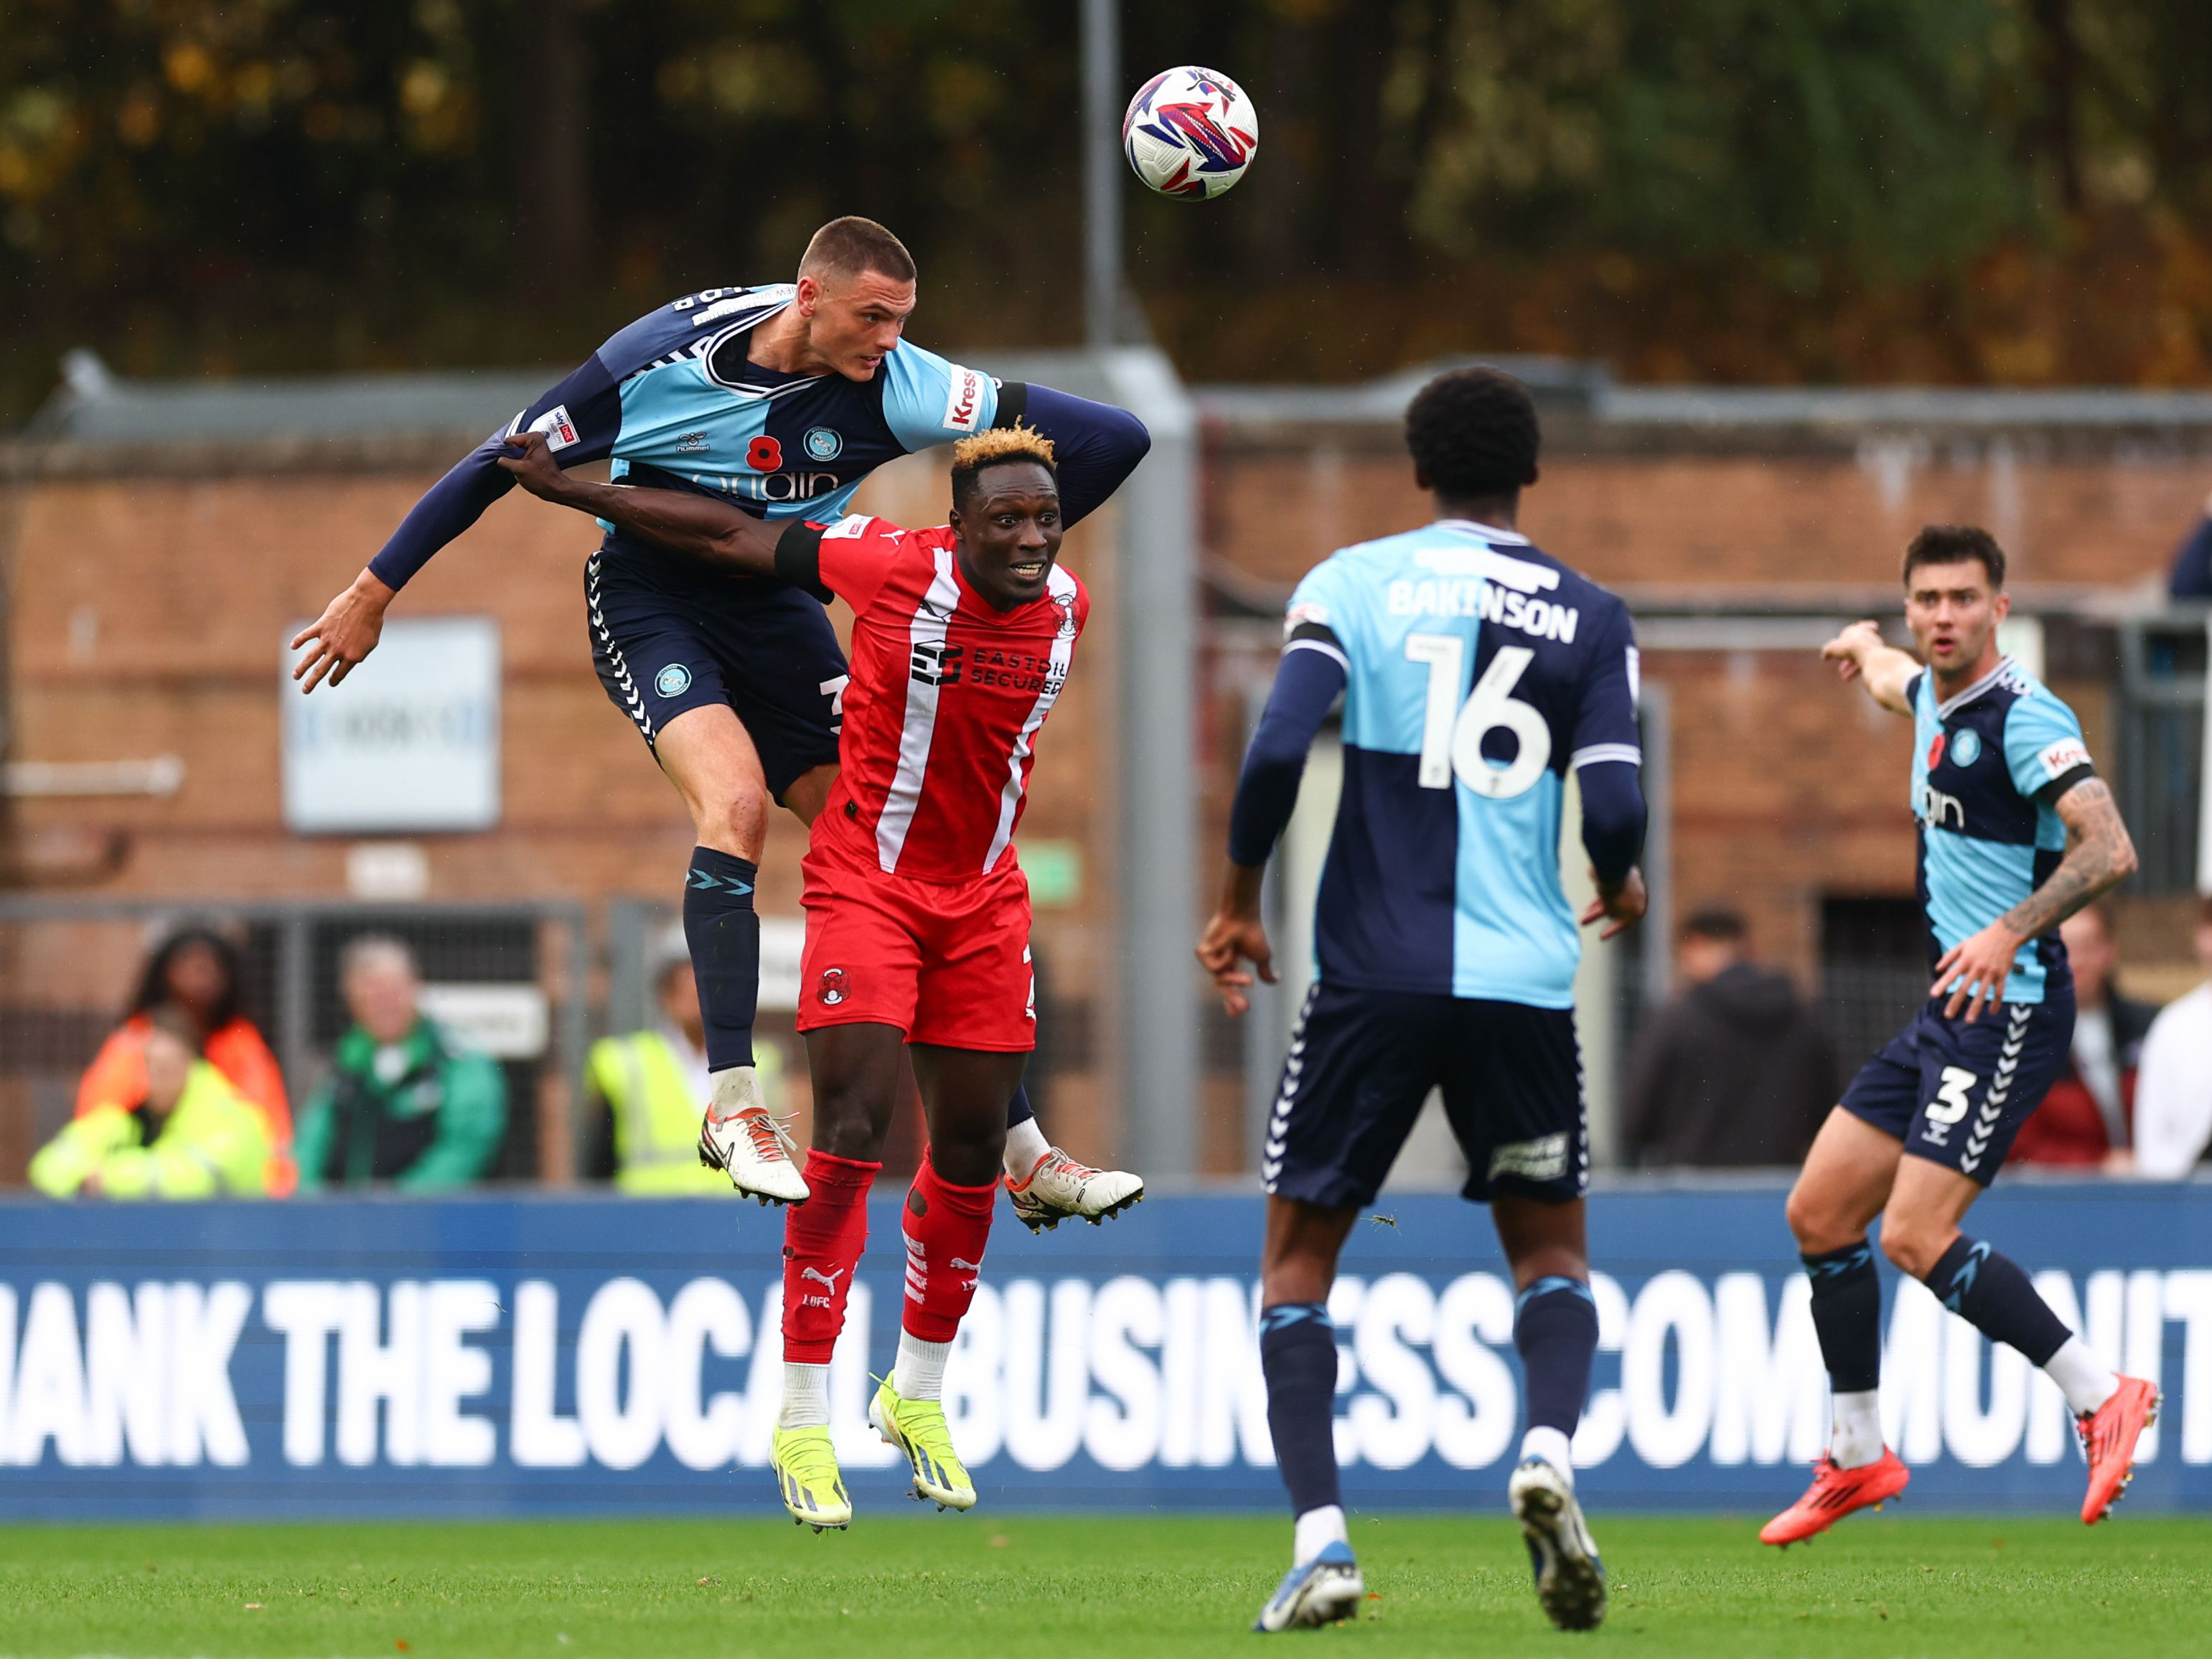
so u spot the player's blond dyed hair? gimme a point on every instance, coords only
(1003, 443)
(1000, 443)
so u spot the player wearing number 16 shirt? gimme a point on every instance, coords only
(1477, 673)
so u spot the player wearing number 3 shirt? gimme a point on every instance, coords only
(918, 914)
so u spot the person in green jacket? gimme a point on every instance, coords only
(192, 1135)
(407, 1102)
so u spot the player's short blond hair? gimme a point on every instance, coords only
(1003, 443)
(999, 443)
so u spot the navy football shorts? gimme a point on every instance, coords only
(667, 637)
(1362, 1064)
(1956, 1094)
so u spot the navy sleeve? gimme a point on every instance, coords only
(1613, 817)
(1096, 446)
(1306, 685)
(2192, 563)
(581, 417)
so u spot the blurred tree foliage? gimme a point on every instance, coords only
(2013, 190)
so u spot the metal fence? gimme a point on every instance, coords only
(511, 975)
(2162, 739)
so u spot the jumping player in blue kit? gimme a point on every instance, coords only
(780, 399)
(2016, 833)
(1477, 673)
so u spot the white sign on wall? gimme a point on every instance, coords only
(411, 741)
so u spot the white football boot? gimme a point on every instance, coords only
(755, 1150)
(1322, 1592)
(1058, 1188)
(1570, 1576)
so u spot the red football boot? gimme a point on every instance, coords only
(2108, 1436)
(1836, 1492)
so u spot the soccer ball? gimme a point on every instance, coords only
(1190, 132)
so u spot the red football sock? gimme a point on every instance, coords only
(947, 1227)
(823, 1240)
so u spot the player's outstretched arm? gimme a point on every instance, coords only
(695, 525)
(585, 409)
(2100, 855)
(1306, 684)
(1886, 673)
(1096, 446)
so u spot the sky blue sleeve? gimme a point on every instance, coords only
(928, 401)
(1325, 598)
(2044, 747)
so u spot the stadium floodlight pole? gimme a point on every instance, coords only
(1102, 174)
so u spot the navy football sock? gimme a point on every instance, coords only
(1555, 1328)
(1847, 1315)
(723, 931)
(1297, 1355)
(1990, 1293)
(1018, 1109)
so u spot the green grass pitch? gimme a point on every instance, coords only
(983, 1584)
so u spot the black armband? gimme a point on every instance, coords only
(798, 558)
(2052, 791)
(1013, 403)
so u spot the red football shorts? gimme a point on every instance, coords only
(947, 964)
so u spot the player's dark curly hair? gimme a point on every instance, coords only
(1953, 543)
(1474, 432)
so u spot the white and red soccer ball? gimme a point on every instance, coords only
(1190, 132)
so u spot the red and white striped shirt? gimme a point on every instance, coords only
(946, 697)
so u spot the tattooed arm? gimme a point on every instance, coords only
(2100, 855)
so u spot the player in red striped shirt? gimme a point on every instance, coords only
(918, 914)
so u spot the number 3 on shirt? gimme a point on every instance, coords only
(1451, 738)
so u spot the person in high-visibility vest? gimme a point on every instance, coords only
(647, 1090)
(189, 1133)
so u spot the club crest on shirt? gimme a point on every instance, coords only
(1064, 604)
(835, 987)
(823, 443)
(1965, 747)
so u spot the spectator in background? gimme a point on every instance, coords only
(195, 970)
(2174, 1087)
(1735, 1071)
(646, 1092)
(2083, 1120)
(408, 1102)
(183, 1131)
(2192, 560)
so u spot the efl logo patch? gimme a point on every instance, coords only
(560, 431)
(2063, 756)
(1544, 1158)
(1302, 613)
(856, 525)
(963, 400)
